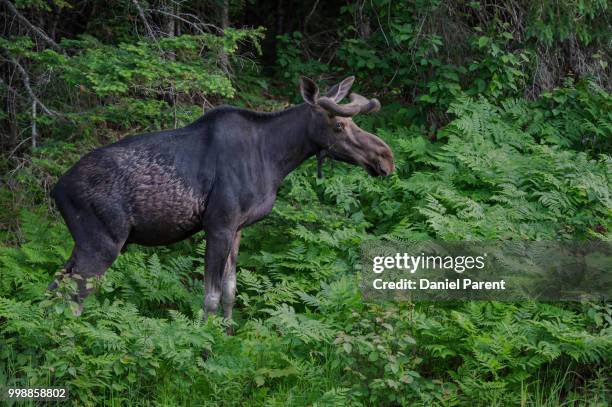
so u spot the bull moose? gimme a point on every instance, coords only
(218, 174)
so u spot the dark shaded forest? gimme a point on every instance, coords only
(499, 114)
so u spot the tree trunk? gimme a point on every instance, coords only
(224, 24)
(170, 19)
(280, 17)
(34, 131)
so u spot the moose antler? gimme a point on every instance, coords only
(358, 104)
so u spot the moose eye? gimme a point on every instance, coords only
(338, 127)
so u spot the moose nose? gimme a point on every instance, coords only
(385, 167)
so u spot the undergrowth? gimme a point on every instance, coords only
(305, 336)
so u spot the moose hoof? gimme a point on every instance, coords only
(78, 310)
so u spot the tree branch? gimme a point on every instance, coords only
(31, 26)
(142, 16)
(196, 25)
(309, 16)
(25, 78)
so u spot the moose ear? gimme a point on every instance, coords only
(340, 90)
(309, 90)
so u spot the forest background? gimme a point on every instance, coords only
(500, 117)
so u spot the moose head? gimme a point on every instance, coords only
(335, 132)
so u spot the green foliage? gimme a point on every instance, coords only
(133, 84)
(141, 68)
(576, 116)
(552, 21)
(290, 61)
(429, 52)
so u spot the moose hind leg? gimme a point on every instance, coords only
(66, 270)
(92, 260)
(218, 247)
(229, 283)
(95, 247)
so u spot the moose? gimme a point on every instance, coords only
(219, 174)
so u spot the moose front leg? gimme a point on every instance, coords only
(218, 246)
(229, 282)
